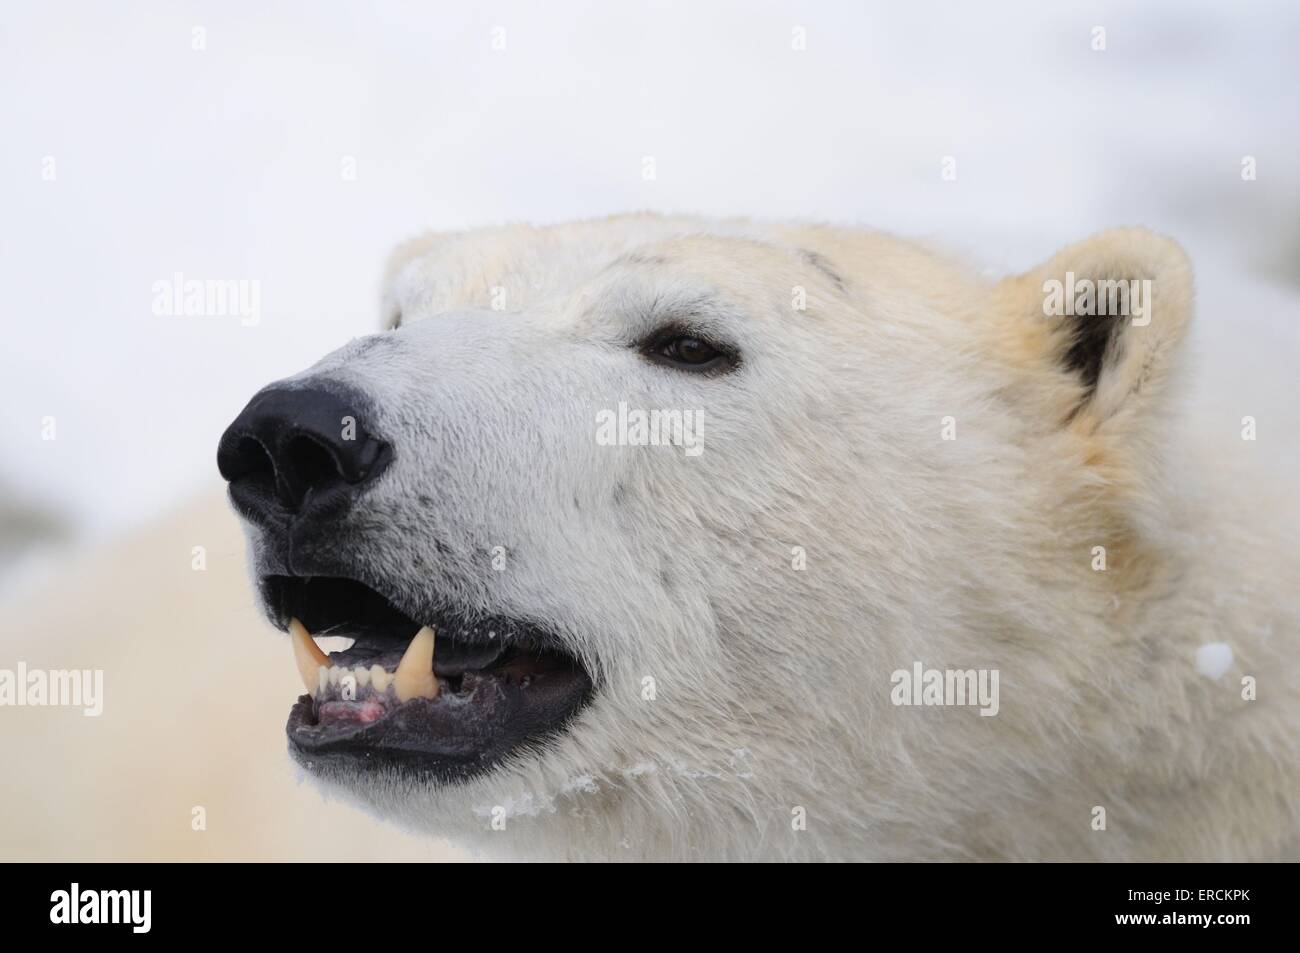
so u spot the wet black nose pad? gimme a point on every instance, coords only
(289, 447)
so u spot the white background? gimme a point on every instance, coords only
(224, 163)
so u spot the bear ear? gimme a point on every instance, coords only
(1103, 318)
(399, 258)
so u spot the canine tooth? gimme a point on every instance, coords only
(306, 654)
(380, 678)
(414, 677)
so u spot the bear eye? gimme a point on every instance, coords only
(689, 352)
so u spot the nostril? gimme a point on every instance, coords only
(246, 459)
(306, 464)
(248, 466)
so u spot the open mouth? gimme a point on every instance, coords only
(448, 696)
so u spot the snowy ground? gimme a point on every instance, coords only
(225, 162)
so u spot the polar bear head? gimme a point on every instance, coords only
(679, 501)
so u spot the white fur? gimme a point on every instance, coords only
(772, 683)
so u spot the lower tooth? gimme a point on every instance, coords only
(379, 677)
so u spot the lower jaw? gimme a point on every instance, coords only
(374, 750)
(444, 739)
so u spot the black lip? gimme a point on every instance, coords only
(444, 739)
(334, 602)
(509, 685)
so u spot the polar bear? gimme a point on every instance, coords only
(908, 481)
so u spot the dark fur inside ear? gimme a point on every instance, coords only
(1106, 316)
(1095, 340)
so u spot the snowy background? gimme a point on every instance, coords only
(226, 162)
(211, 139)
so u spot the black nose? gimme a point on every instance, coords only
(294, 449)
